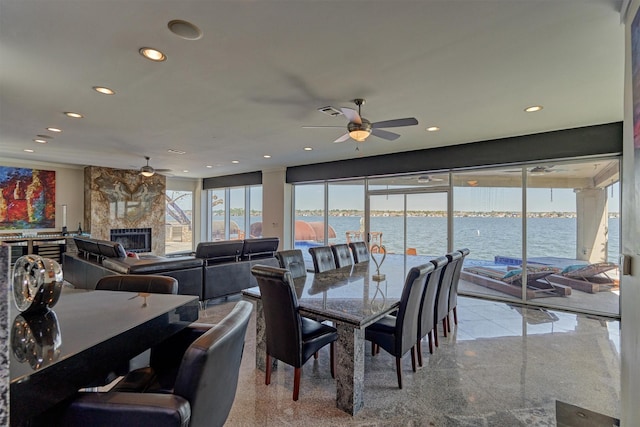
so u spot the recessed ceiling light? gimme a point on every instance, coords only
(44, 136)
(433, 129)
(171, 150)
(41, 141)
(209, 166)
(184, 29)
(104, 90)
(235, 161)
(73, 115)
(28, 150)
(185, 170)
(266, 156)
(308, 148)
(54, 130)
(152, 54)
(533, 108)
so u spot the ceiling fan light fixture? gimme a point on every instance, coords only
(147, 171)
(359, 135)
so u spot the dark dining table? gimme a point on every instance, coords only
(352, 298)
(81, 339)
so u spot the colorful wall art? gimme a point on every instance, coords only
(27, 198)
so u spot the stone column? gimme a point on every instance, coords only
(5, 258)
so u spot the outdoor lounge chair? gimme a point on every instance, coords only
(589, 278)
(510, 282)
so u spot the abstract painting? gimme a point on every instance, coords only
(27, 198)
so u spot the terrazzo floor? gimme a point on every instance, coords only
(503, 365)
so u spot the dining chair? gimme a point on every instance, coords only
(292, 260)
(453, 292)
(323, 259)
(397, 333)
(201, 393)
(153, 284)
(342, 255)
(291, 338)
(442, 296)
(426, 322)
(360, 252)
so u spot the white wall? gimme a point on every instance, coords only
(276, 207)
(69, 191)
(630, 284)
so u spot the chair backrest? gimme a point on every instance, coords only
(208, 374)
(409, 309)
(263, 247)
(281, 317)
(442, 298)
(322, 257)
(453, 292)
(428, 306)
(342, 255)
(150, 283)
(292, 260)
(360, 252)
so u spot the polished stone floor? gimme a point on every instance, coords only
(502, 366)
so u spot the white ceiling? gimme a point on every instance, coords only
(264, 67)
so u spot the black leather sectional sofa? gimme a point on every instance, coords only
(217, 269)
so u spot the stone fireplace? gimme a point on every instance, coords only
(118, 199)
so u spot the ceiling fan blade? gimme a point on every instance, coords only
(321, 127)
(385, 134)
(343, 138)
(352, 115)
(409, 121)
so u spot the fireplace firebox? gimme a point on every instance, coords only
(136, 240)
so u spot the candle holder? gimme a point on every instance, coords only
(378, 249)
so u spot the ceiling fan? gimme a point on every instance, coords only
(360, 128)
(148, 170)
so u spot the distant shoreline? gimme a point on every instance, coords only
(442, 214)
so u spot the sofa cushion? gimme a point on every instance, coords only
(150, 265)
(219, 251)
(264, 247)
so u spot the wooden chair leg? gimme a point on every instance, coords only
(448, 323)
(435, 334)
(315, 355)
(267, 375)
(332, 359)
(296, 383)
(399, 371)
(419, 347)
(413, 358)
(455, 315)
(373, 348)
(430, 335)
(444, 326)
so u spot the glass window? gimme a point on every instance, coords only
(346, 211)
(255, 220)
(179, 221)
(218, 214)
(309, 213)
(234, 211)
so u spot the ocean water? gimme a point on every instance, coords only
(486, 237)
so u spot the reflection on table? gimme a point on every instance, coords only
(85, 336)
(352, 300)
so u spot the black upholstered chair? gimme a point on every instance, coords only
(292, 260)
(397, 334)
(152, 284)
(442, 297)
(323, 259)
(453, 292)
(201, 394)
(360, 252)
(428, 305)
(342, 255)
(291, 338)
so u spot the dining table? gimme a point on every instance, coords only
(53, 353)
(352, 298)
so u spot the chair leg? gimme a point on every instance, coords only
(413, 358)
(435, 334)
(419, 347)
(455, 315)
(332, 360)
(430, 335)
(267, 375)
(444, 326)
(315, 355)
(448, 323)
(399, 371)
(373, 348)
(296, 383)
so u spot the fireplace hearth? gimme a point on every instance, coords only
(137, 240)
